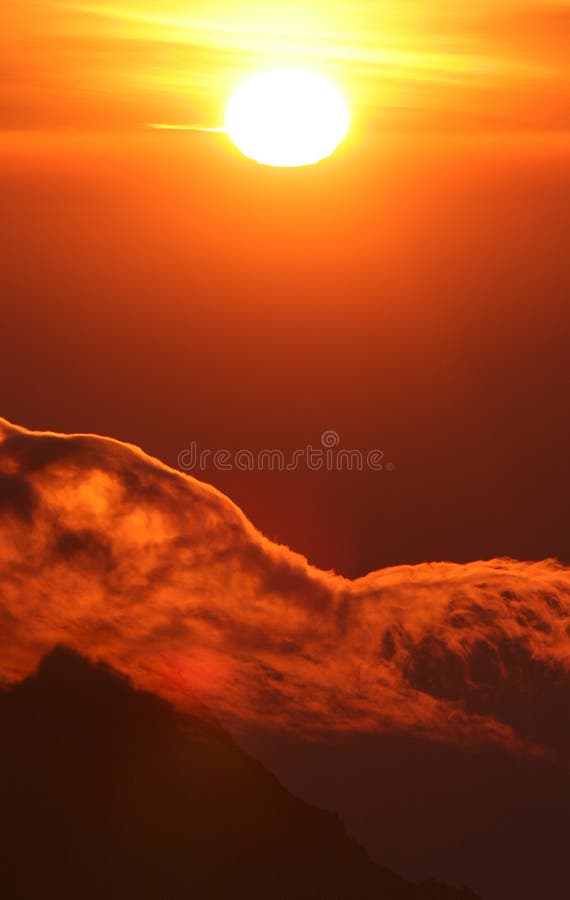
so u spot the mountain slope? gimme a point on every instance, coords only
(110, 793)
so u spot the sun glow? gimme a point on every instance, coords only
(287, 118)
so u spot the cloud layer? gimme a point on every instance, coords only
(112, 552)
(117, 65)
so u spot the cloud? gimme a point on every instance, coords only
(114, 66)
(115, 554)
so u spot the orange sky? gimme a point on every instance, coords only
(483, 65)
(410, 292)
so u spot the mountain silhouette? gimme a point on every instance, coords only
(108, 792)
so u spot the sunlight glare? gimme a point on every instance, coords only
(287, 117)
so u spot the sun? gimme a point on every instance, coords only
(287, 117)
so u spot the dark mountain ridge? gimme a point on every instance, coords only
(108, 792)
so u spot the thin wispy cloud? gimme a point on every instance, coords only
(501, 66)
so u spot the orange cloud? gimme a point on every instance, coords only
(117, 65)
(112, 552)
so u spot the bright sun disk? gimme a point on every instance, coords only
(287, 117)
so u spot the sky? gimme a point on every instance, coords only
(408, 294)
(392, 642)
(450, 66)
